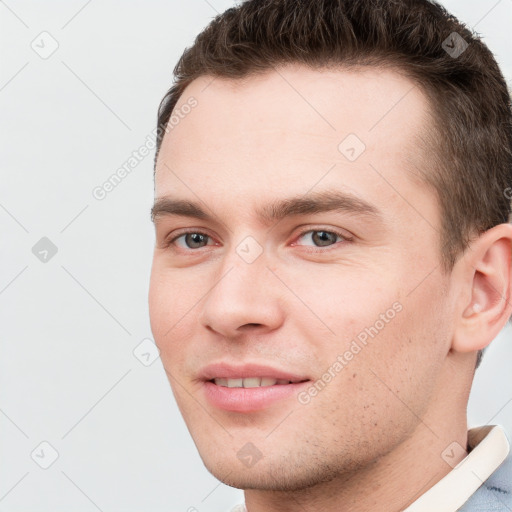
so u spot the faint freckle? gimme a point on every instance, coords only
(354, 375)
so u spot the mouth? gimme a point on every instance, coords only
(252, 382)
(250, 387)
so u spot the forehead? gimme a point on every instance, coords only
(290, 128)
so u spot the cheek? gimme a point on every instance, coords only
(389, 338)
(160, 303)
(372, 396)
(172, 292)
(398, 368)
(170, 306)
(348, 301)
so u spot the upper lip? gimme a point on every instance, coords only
(231, 371)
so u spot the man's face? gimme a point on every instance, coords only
(350, 304)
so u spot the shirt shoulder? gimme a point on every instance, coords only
(495, 494)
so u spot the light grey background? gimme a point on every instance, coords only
(69, 326)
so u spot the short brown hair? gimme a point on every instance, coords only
(468, 153)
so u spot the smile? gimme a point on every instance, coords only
(250, 382)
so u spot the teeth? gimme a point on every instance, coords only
(250, 382)
(235, 383)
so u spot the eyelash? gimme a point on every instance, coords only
(343, 236)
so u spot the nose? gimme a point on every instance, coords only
(242, 297)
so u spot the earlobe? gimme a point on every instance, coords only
(486, 304)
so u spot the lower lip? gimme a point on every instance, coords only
(249, 399)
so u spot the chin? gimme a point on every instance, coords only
(268, 474)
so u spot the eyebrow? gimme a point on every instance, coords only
(318, 202)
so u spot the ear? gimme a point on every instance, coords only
(485, 274)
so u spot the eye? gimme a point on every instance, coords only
(322, 238)
(313, 237)
(191, 240)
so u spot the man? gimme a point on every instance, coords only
(333, 252)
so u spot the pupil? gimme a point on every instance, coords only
(323, 238)
(194, 239)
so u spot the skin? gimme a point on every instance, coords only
(372, 439)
